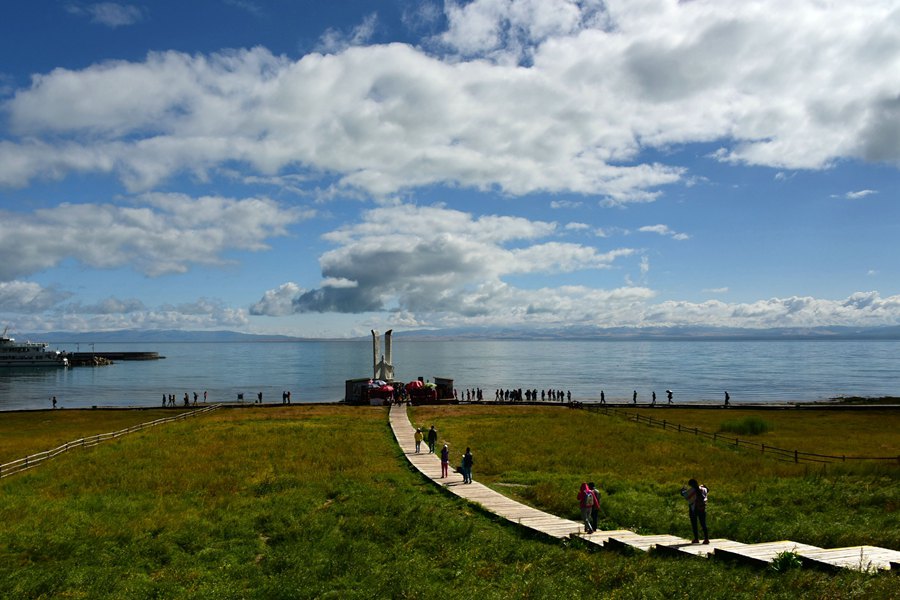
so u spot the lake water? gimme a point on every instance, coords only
(697, 371)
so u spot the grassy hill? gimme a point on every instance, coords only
(318, 502)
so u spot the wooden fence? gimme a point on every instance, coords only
(33, 460)
(782, 454)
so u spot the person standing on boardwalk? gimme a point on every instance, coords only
(634, 397)
(467, 462)
(418, 437)
(696, 494)
(727, 398)
(595, 511)
(445, 460)
(669, 395)
(586, 501)
(653, 402)
(602, 397)
(431, 439)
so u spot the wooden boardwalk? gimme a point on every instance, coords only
(862, 558)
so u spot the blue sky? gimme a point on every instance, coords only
(324, 168)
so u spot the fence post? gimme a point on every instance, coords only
(679, 428)
(664, 424)
(763, 449)
(796, 457)
(695, 431)
(715, 436)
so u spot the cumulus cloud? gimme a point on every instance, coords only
(158, 234)
(28, 297)
(200, 315)
(790, 86)
(434, 260)
(111, 14)
(859, 309)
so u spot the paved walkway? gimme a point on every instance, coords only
(857, 557)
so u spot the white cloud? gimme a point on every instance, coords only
(860, 194)
(111, 14)
(718, 290)
(664, 230)
(28, 298)
(558, 96)
(645, 266)
(565, 204)
(574, 226)
(433, 260)
(334, 40)
(159, 234)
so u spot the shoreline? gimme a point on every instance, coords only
(849, 404)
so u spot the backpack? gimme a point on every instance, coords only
(700, 498)
(588, 499)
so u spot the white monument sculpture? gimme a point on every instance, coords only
(381, 363)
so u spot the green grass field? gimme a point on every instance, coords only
(26, 432)
(318, 502)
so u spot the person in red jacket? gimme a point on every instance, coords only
(587, 500)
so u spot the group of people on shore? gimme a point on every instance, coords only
(168, 400)
(514, 395)
(695, 493)
(548, 395)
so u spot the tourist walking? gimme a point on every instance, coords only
(467, 462)
(727, 398)
(445, 460)
(595, 511)
(418, 437)
(669, 395)
(431, 439)
(602, 397)
(696, 495)
(586, 502)
(634, 397)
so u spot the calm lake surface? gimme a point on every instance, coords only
(697, 371)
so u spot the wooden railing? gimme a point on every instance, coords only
(782, 454)
(33, 460)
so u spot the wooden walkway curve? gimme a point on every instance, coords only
(863, 558)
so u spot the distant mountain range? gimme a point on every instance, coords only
(562, 333)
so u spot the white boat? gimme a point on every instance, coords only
(29, 354)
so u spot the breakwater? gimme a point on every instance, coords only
(96, 359)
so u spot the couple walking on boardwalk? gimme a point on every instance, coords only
(589, 501)
(465, 467)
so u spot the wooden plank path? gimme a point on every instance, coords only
(861, 558)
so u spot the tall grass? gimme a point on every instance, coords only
(317, 502)
(747, 426)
